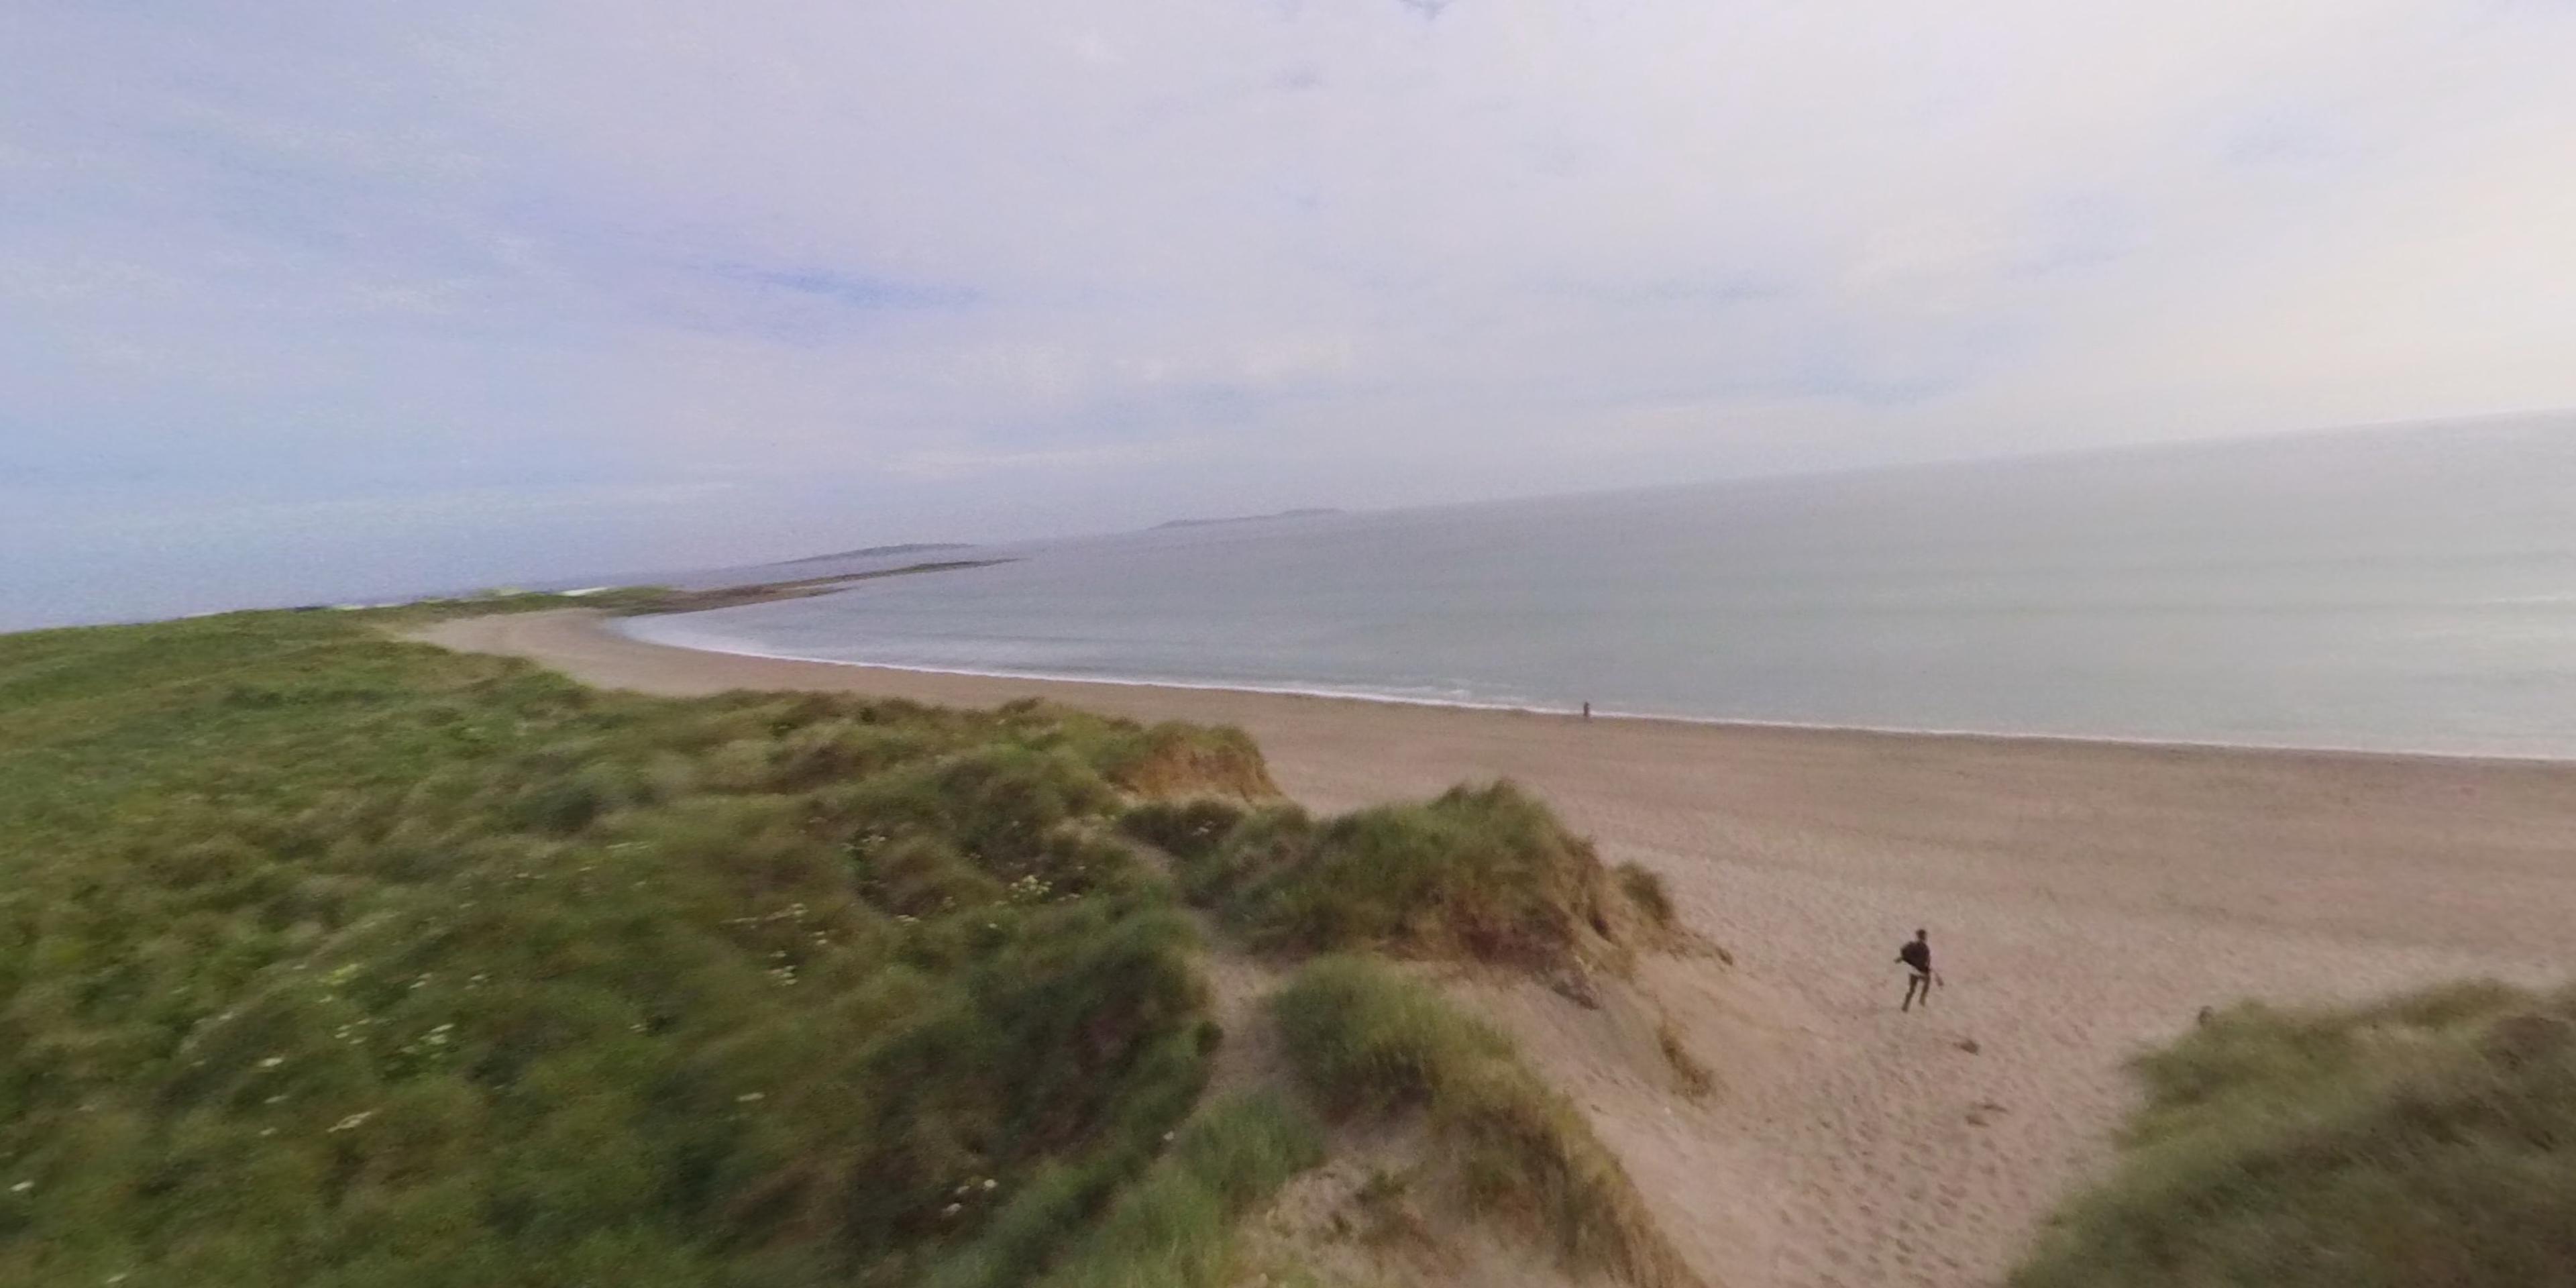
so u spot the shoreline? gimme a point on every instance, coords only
(2085, 900)
(609, 625)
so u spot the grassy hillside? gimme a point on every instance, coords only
(2428, 1140)
(329, 960)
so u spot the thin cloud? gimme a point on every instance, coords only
(857, 290)
(1357, 254)
(961, 463)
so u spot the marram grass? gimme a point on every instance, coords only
(331, 960)
(2428, 1140)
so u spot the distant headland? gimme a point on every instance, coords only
(874, 552)
(1310, 513)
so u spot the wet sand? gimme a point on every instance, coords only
(2084, 899)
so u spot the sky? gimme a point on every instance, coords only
(313, 299)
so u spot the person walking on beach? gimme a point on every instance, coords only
(1919, 979)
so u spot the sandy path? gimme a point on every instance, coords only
(2083, 899)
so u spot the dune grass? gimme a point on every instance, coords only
(1367, 1041)
(332, 960)
(1176, 1227)
(1177, 760)
(1480, 872)
(1189, 829)
(2426, 1140)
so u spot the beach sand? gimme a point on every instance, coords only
(2084, 899)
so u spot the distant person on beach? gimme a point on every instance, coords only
(1587, 710)
(1919, 979)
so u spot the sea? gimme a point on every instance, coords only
(2409, 590)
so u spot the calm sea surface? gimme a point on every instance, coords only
(2407, 590)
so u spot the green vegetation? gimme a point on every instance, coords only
(331, 960)
(1189, 830)
(1175, 1229)
(1480, 872)
(1367, 1040)
(2428, 1140)
(1177, 760)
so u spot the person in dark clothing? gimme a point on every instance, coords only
(1919, 979)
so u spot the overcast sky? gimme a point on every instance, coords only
(357, 296)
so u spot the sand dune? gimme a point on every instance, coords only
(2084, 899)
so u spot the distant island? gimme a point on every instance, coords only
(872, 552)
(1311, 513)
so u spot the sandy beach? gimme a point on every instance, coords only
(2084, 899)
